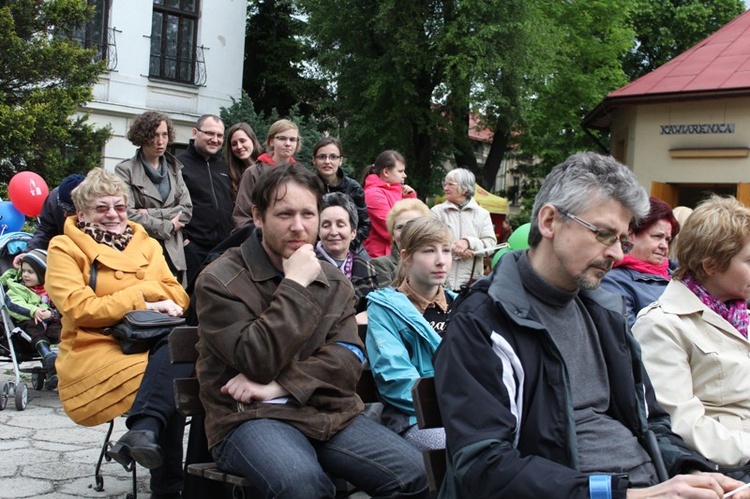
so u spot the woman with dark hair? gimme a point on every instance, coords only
(158, 199)
(338, 223)
(242, 153)
(327, 158)
(384, 186)
(643, 274)
(694, 338)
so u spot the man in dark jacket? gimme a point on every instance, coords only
(207, 180)
(279, 359)
(539, 381)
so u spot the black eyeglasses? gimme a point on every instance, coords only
(323, 157)
(604, 236)
(212, 135)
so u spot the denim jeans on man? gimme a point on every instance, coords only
(283, 462)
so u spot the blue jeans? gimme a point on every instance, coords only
(282, 462)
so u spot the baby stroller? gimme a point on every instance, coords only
(14, 342)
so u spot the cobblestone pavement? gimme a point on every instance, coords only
(43, 454)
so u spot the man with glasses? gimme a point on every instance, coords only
(541, 386)
(207, 178)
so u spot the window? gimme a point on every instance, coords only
(173, 40)
(95, 34)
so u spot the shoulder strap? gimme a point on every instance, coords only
(92, 274)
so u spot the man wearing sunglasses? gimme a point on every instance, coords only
(540, 384)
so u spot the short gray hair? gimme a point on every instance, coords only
(584, 178)
(344, 201)
(465, 179)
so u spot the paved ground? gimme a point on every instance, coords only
(43, 454)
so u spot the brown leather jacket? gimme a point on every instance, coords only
(254, 321)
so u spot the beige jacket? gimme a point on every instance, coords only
(700, 367)
(474, 224)
(158, 220)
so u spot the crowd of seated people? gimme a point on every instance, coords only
(543, 388)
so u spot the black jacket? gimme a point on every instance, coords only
(210, 190)
(51, 221)
(497, 362)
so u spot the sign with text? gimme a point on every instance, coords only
(697, 129)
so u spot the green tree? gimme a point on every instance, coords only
(666, 28)
(275, 75)
(45, 78)
(244, 110)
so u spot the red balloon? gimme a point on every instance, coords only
(27, 192)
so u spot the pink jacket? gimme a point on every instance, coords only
(380, 197)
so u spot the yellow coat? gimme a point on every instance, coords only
(97, 382)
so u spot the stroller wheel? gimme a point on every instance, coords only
(37, 379)
(22, 396)
(4, 396)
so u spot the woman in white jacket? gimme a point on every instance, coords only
(470, 224)
(694, 338)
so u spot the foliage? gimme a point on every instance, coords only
(275, 74)
(244, 110)
(45, 77)
(666, 28)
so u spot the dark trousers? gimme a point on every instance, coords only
(155, 398)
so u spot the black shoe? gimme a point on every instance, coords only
(173, 495)
(51, 383)
(139, 446)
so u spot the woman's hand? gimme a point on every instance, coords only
(699, 485)
(176, 222)
(461, 251)
(244, 390)
(165, 307)
(406, 190)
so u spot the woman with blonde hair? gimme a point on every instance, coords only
(400, 214)
(282, 141)
(405, 325)
(103, 267)
(694, 338)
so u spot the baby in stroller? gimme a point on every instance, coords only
(30, 305)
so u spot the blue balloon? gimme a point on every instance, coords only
(11, 220)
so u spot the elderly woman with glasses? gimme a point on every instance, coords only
(282, 142)
(97, 381)
(643, 274)
(158, 199)
(470, 225)
(694, 338)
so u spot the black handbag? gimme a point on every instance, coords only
(139, 330)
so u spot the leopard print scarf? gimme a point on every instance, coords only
(116, 241)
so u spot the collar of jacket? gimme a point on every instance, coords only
(677, 299)
(194, 152)
(260, 267)
(505, 282)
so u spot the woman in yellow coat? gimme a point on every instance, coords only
(97, 381)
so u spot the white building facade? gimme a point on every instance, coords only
(180, 57)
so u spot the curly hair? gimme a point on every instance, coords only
(98, 183)
(144, 127)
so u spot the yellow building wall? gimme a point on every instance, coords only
(711, 158)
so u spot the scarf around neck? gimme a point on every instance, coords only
(101, 236)
(631, 262)
(733, 311)
(345, 266)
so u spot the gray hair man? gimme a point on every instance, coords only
(561, 405)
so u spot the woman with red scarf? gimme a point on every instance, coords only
(694, 339)
(643, 274)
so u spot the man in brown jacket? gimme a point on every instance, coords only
(280, 358)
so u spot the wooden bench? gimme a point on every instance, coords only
(182, 342)
(428, 416)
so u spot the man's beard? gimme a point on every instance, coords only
(583, 281)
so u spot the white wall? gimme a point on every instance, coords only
(127, 91)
